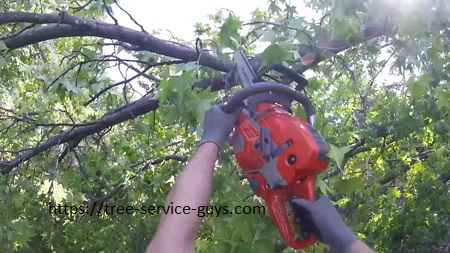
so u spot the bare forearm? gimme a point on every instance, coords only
(193, 188)
(176, 233)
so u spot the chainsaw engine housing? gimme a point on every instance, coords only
(280, 155)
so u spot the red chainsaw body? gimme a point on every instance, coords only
(300, 154)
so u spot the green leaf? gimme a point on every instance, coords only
(350, 185)
(443, 99)
(23, 231)
(3, 46)
(70, 86)
(187, 66)
(275, 54)
(345, 28)
(202, 105)
(229, 32)
(338, 154)
(419, 88)
(323, 187)
(181, 103)
(435, 52)
(264, 246)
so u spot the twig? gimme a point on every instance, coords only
(132, 78)
(347, 67)
(130, 16)
(81, 7)
(92, 99)
(121, 187)
(310, 39)
(380, 70)
(109, 12)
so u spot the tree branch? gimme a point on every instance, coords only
(127, 112)
(81, 7)
(60, 26)
(333, 47)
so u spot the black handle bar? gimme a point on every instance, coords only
(236, 101)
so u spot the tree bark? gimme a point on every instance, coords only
(63, 25)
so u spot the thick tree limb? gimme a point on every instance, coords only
(130, 111)
(63, 25)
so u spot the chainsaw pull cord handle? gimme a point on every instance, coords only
(237, 99)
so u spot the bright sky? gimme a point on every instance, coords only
(180, 16)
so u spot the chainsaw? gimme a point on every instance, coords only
(279, 154)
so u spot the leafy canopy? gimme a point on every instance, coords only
(383, 104)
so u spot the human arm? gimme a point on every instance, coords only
(322, 217)
(177, 232)
(193, 187)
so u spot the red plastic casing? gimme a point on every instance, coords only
(299, 177)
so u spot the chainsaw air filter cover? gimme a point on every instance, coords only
(274, 136)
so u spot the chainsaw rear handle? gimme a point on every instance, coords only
(277, 201)
(237, 99)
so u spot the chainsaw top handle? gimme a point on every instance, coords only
(236, 101)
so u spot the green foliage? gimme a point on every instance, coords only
(392, 92)
(338, 154)
(275, 54)
(229, 34)
(181, 103)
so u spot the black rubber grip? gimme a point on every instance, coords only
(236, 102)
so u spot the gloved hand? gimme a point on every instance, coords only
(217, 125)
(323, 219)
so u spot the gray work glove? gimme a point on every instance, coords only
(322, 218)
(217, 126)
